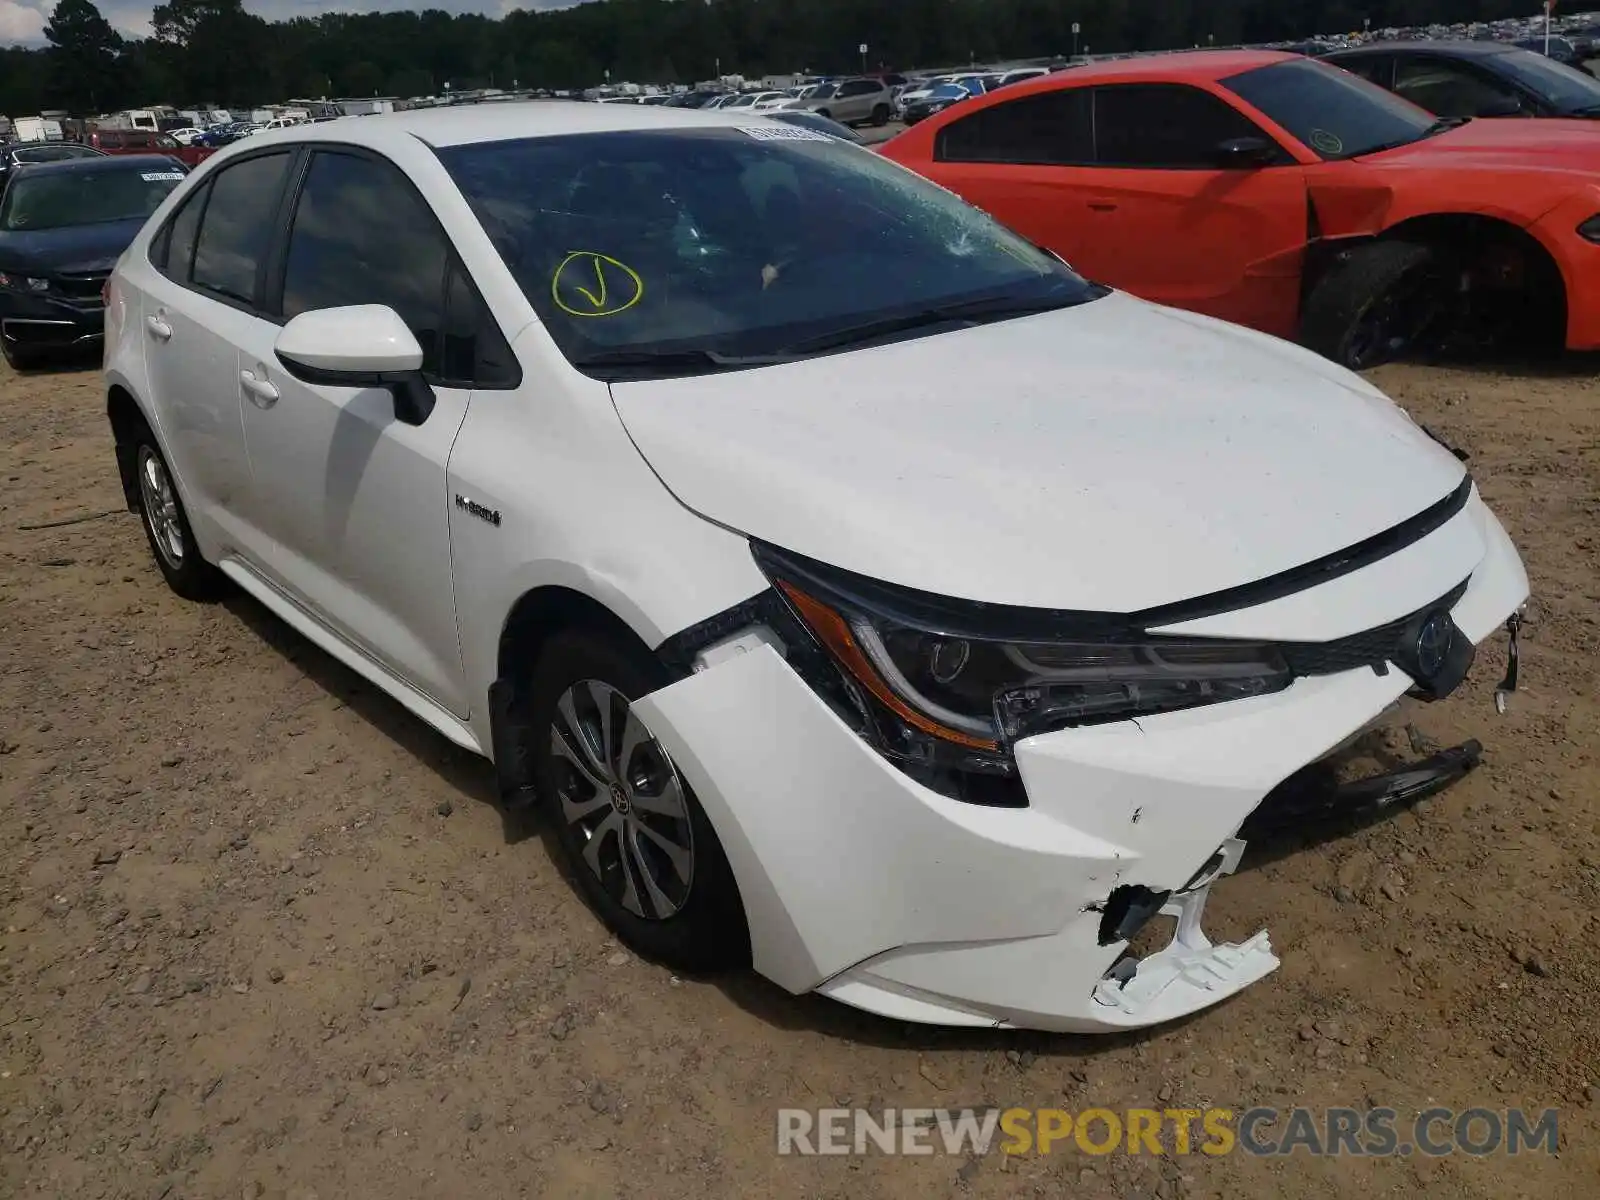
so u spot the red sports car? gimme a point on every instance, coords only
(1291, 196)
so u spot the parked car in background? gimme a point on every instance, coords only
(850, 102)
(63, 224)
(1289, 195)
(816, 122)
(1020, 75)
(15, 154)
(786, 714)
(1558, 49)
(916, 90)
(187, 135)
(760, 101)
(936, 100)
(144, 141)
(1475, 79)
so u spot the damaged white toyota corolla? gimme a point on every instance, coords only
(860, 592)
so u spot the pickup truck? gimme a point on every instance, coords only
(145, 141)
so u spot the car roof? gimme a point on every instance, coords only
(475, 123)
(1188, 64)
(1461, 48)
(101, 162)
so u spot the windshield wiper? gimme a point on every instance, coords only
(971, 311)
(1444, 125)
(694, 359)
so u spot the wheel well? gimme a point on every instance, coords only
(126, 421)
(544, 612)
(1510, 276)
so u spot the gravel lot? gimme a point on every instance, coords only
(263, 934)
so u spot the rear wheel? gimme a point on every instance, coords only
(644, 854)
(1380, 302)
(166, 525)
(880, 115)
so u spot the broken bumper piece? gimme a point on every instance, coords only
(863, 885)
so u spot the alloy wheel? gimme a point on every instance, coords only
(160, 504)
(622, 796)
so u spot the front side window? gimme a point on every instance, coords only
(1053, 129)
(735, 242)
(1164, 126)
(362, 235)
(237, 226)
(1451, 89)
(88, 197)
(1569, 89)
(1337, 114)
(1375, 68)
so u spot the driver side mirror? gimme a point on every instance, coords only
(359, 346)
(1245, 153)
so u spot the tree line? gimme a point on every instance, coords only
(213, 51)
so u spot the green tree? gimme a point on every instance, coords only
(84, 58)
(361, 79)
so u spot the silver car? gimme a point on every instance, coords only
(851, 101)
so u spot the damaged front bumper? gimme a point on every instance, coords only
(867, 887)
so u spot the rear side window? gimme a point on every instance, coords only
(1164, 126)
(173, 251)
(1055, 129)
(1377, 68)
(237, 226)
(109, 141)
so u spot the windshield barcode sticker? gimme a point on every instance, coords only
(780, 132)
(158, 176)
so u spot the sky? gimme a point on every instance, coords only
(24, 20)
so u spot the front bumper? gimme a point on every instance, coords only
(41, 321)
(863, 885)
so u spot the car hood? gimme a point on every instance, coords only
(1548, 143)
(78, 249)
(1112, 457)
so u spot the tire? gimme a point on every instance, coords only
(166, 524)
(822, 112)
(880, 115)
(1374, 305)
(694, 924)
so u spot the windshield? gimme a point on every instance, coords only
(62, 199)
(1568, 88)
(1335, 113)
(948, 91)
(736, 242)
(740, 101)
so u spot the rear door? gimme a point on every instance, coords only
(1167, 223)
(196, 309)
(1027, 162)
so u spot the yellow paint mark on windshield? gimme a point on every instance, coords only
(591, 284)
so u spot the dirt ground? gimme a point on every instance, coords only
(262, 934)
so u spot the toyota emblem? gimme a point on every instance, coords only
(1433, 643)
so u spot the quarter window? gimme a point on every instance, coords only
(237, 227)
(1164, 125)
(1053, 129)
(173, 252)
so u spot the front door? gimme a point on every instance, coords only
(352, 503)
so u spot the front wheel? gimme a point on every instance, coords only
(1378, 303)
(645, 856)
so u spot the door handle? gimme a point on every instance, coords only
(1103, 205)
(158, 328)
(262, 392)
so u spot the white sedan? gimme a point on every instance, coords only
(860, 593)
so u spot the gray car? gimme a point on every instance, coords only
(851, 101)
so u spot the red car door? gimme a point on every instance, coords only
(1175, 226)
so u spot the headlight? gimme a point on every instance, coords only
(958, 677)
(1590, 229)
(23, 283)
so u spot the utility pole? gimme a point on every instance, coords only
(1076, 30)
(1549, 7)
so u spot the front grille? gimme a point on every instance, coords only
(1370, 648)
(85, 288)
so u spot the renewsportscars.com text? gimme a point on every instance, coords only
(1373, 1132)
